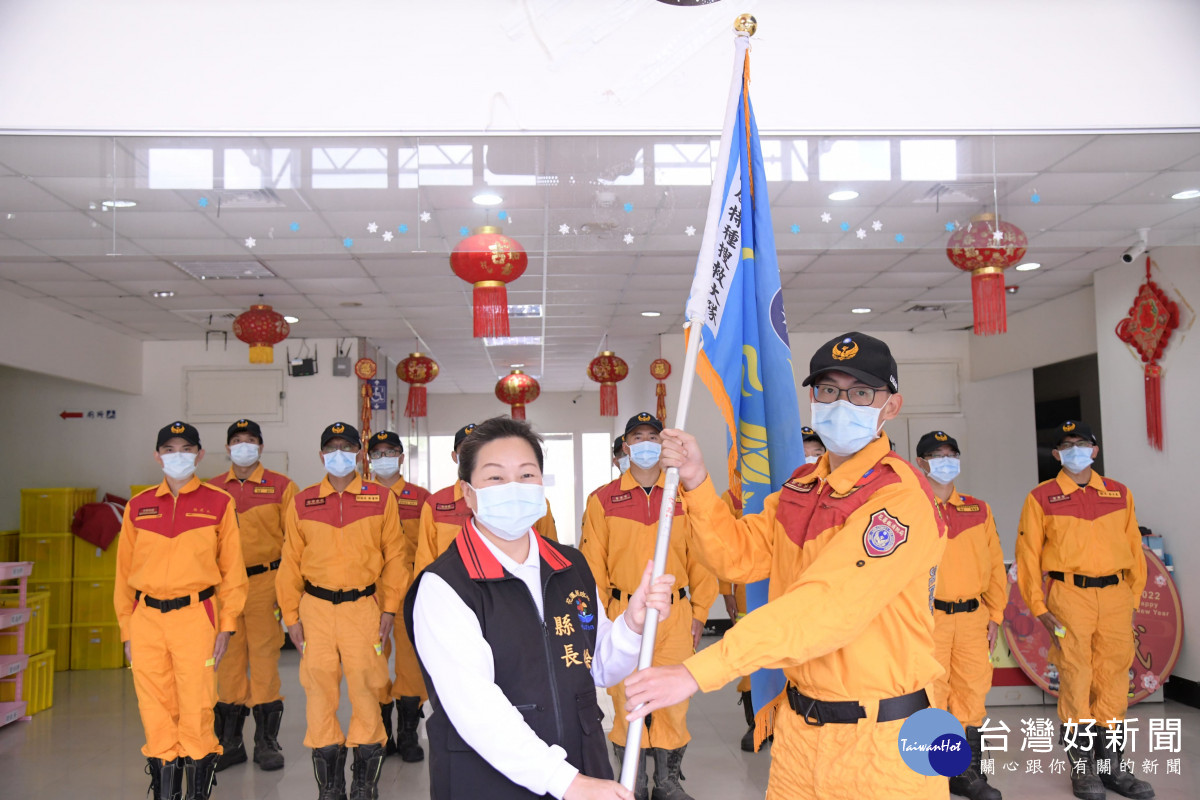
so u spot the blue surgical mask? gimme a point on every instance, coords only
(387, 467)
(1076, 459)
(510, 509)
(623, 463)
(845, 428)
(944, 469)
(244, 454)
(339, 463)
(645, 454)
(178, 465)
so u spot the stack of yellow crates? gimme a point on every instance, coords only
(39, 673)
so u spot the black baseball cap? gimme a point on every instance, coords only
(1074, 428)
(858, 355)
(385, 437)
(244, 426)
(644, 418)
(618, 444)
(463, 432)
(178, 430)
(933, 440)
(341, 430)
(810, 435)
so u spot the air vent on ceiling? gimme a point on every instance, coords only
(249, 198)
(525, 311)
(926, 309)
(224, 270)
(508, 341)
(955, 193)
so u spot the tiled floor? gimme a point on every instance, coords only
(87, 746)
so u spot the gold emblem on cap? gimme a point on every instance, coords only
(469, 429)
(844, 351)
(381, 435)
(643, 417)
(338, 428)
(243, 423)
(178, 427)
(941, 437)
(1068, 426)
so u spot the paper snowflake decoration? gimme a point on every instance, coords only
(795, 228)
(464, 230)
(203, 202)
(295, 226)
(628, 238)
(425, 216)
(250, 241)
(690, 230)
(372, 227)
(629, 208)
(347, 242)
(950, 226)
(900, 238)
(502, 215)
(998, 235)
(387, 236)
(1035, 198)
(826, 217)
(402, 228)
(845, 226)
(860, 233)
(564, 229)
(877, 226)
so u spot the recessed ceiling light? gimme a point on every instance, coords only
(1012, 289)
(844, 194)
(350, 304)
(515, 366)
(1028, 266)
(487, 199)
(862, 310)
(118, 203)
(291, 320)
(162, 294)
(1186, 194)
(651, 313)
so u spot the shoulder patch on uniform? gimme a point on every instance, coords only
(1058, 498)
(966, 509)
(445, 506)
(884, 534)
(800, 487)
(620, 498)
(314, 501)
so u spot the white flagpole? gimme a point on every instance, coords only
(666, 513)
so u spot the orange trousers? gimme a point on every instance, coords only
(409, 682)
(339, 640)
(1094, 656)
(667, 727)
(960, 646)
(254, 649)
(844, 762)
(174, 678)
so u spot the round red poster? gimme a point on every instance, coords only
(1158, 633)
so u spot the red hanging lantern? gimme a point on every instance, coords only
(607, 369)
(985, 249)
(262, 327)
(1147, 330)
(517, 390)
(416, 370)
(660, 370)
(489, 259)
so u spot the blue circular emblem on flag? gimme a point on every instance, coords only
(779, 318)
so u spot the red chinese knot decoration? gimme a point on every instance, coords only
(985, 249)
(607, 369)
(365, 369)
(416, 370)
(1147, 330)
(261, 327)
(489, 259)
(517, 390)
(660, 370)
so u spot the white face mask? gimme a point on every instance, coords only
(944, 469)
(510, 509)
(811, 459)
(244, 453)
(178, 465)
(339, 463)
(623, 463)
(1077, 458)
(645, 454)
(845, 428)
(387, 467)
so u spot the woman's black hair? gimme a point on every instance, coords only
(489, 431)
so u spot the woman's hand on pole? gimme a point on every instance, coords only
(653, 593)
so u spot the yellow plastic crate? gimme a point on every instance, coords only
(38, 689)
(97, 647)
(58, 607)
(51, 510)
(92, 562)
(52, 554)
(60, 645)
(92, 603)
(38, 604)
(8, 546)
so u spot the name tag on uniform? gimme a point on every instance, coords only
(264, 490)
(965, 509)
(314, 501)
(404, 502)
(800, 487)
(620, 498)
(1058, 498)
(149, 512)
(446, 506)
(367, 498)
(1109, 494)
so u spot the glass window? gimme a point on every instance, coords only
(349, 168)
(597, 463)
(259, 168)
(855, 160)
(180, 168)
(928, 160)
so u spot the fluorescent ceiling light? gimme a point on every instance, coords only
(1186, 194)
(162, 294)
(515, 366)
(504, 341)
(487, 199)
(118, 203)
(651, 313)
(1028, 266)
(525, 311)
(290, 320)
(863, 310)
(843, 194)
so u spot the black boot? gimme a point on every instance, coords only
(972, 783)
(329, 767)
(385, 711)
(201, 776)
(407, 743)
(1117, 779)
(668, 771)
(166, 779)
(748, 736)
(368, 762)
(1085, 784)
(641, 786)
(267, 752)
(227, 723)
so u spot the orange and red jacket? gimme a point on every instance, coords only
(1086, 530)
(173, 547)
(410, 499)
(260, 500)
(973, 564)
(346, 540)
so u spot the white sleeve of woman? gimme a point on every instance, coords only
(617, 650)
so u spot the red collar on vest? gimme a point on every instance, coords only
(482, 565)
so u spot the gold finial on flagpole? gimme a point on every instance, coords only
(745, 23)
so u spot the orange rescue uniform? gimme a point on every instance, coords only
(172, 548)
(260, 501)
(444, 514)
(410, 498)
(342, 541)
(971, 572)
(738, 590)
(852, 558)
(1076, 532)
(620, 526)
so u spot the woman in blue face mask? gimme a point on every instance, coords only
(513, 640)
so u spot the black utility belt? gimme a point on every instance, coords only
(618, 594)
(956, 608)
(340, 595)
(1084, 582)
(820, 712)
(175, 603)
(259, 569)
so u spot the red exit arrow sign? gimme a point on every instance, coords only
(71, 414)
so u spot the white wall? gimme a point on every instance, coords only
(624, 65)
(1159, 480)
(1045, 334)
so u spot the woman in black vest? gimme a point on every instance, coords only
(512, 640)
